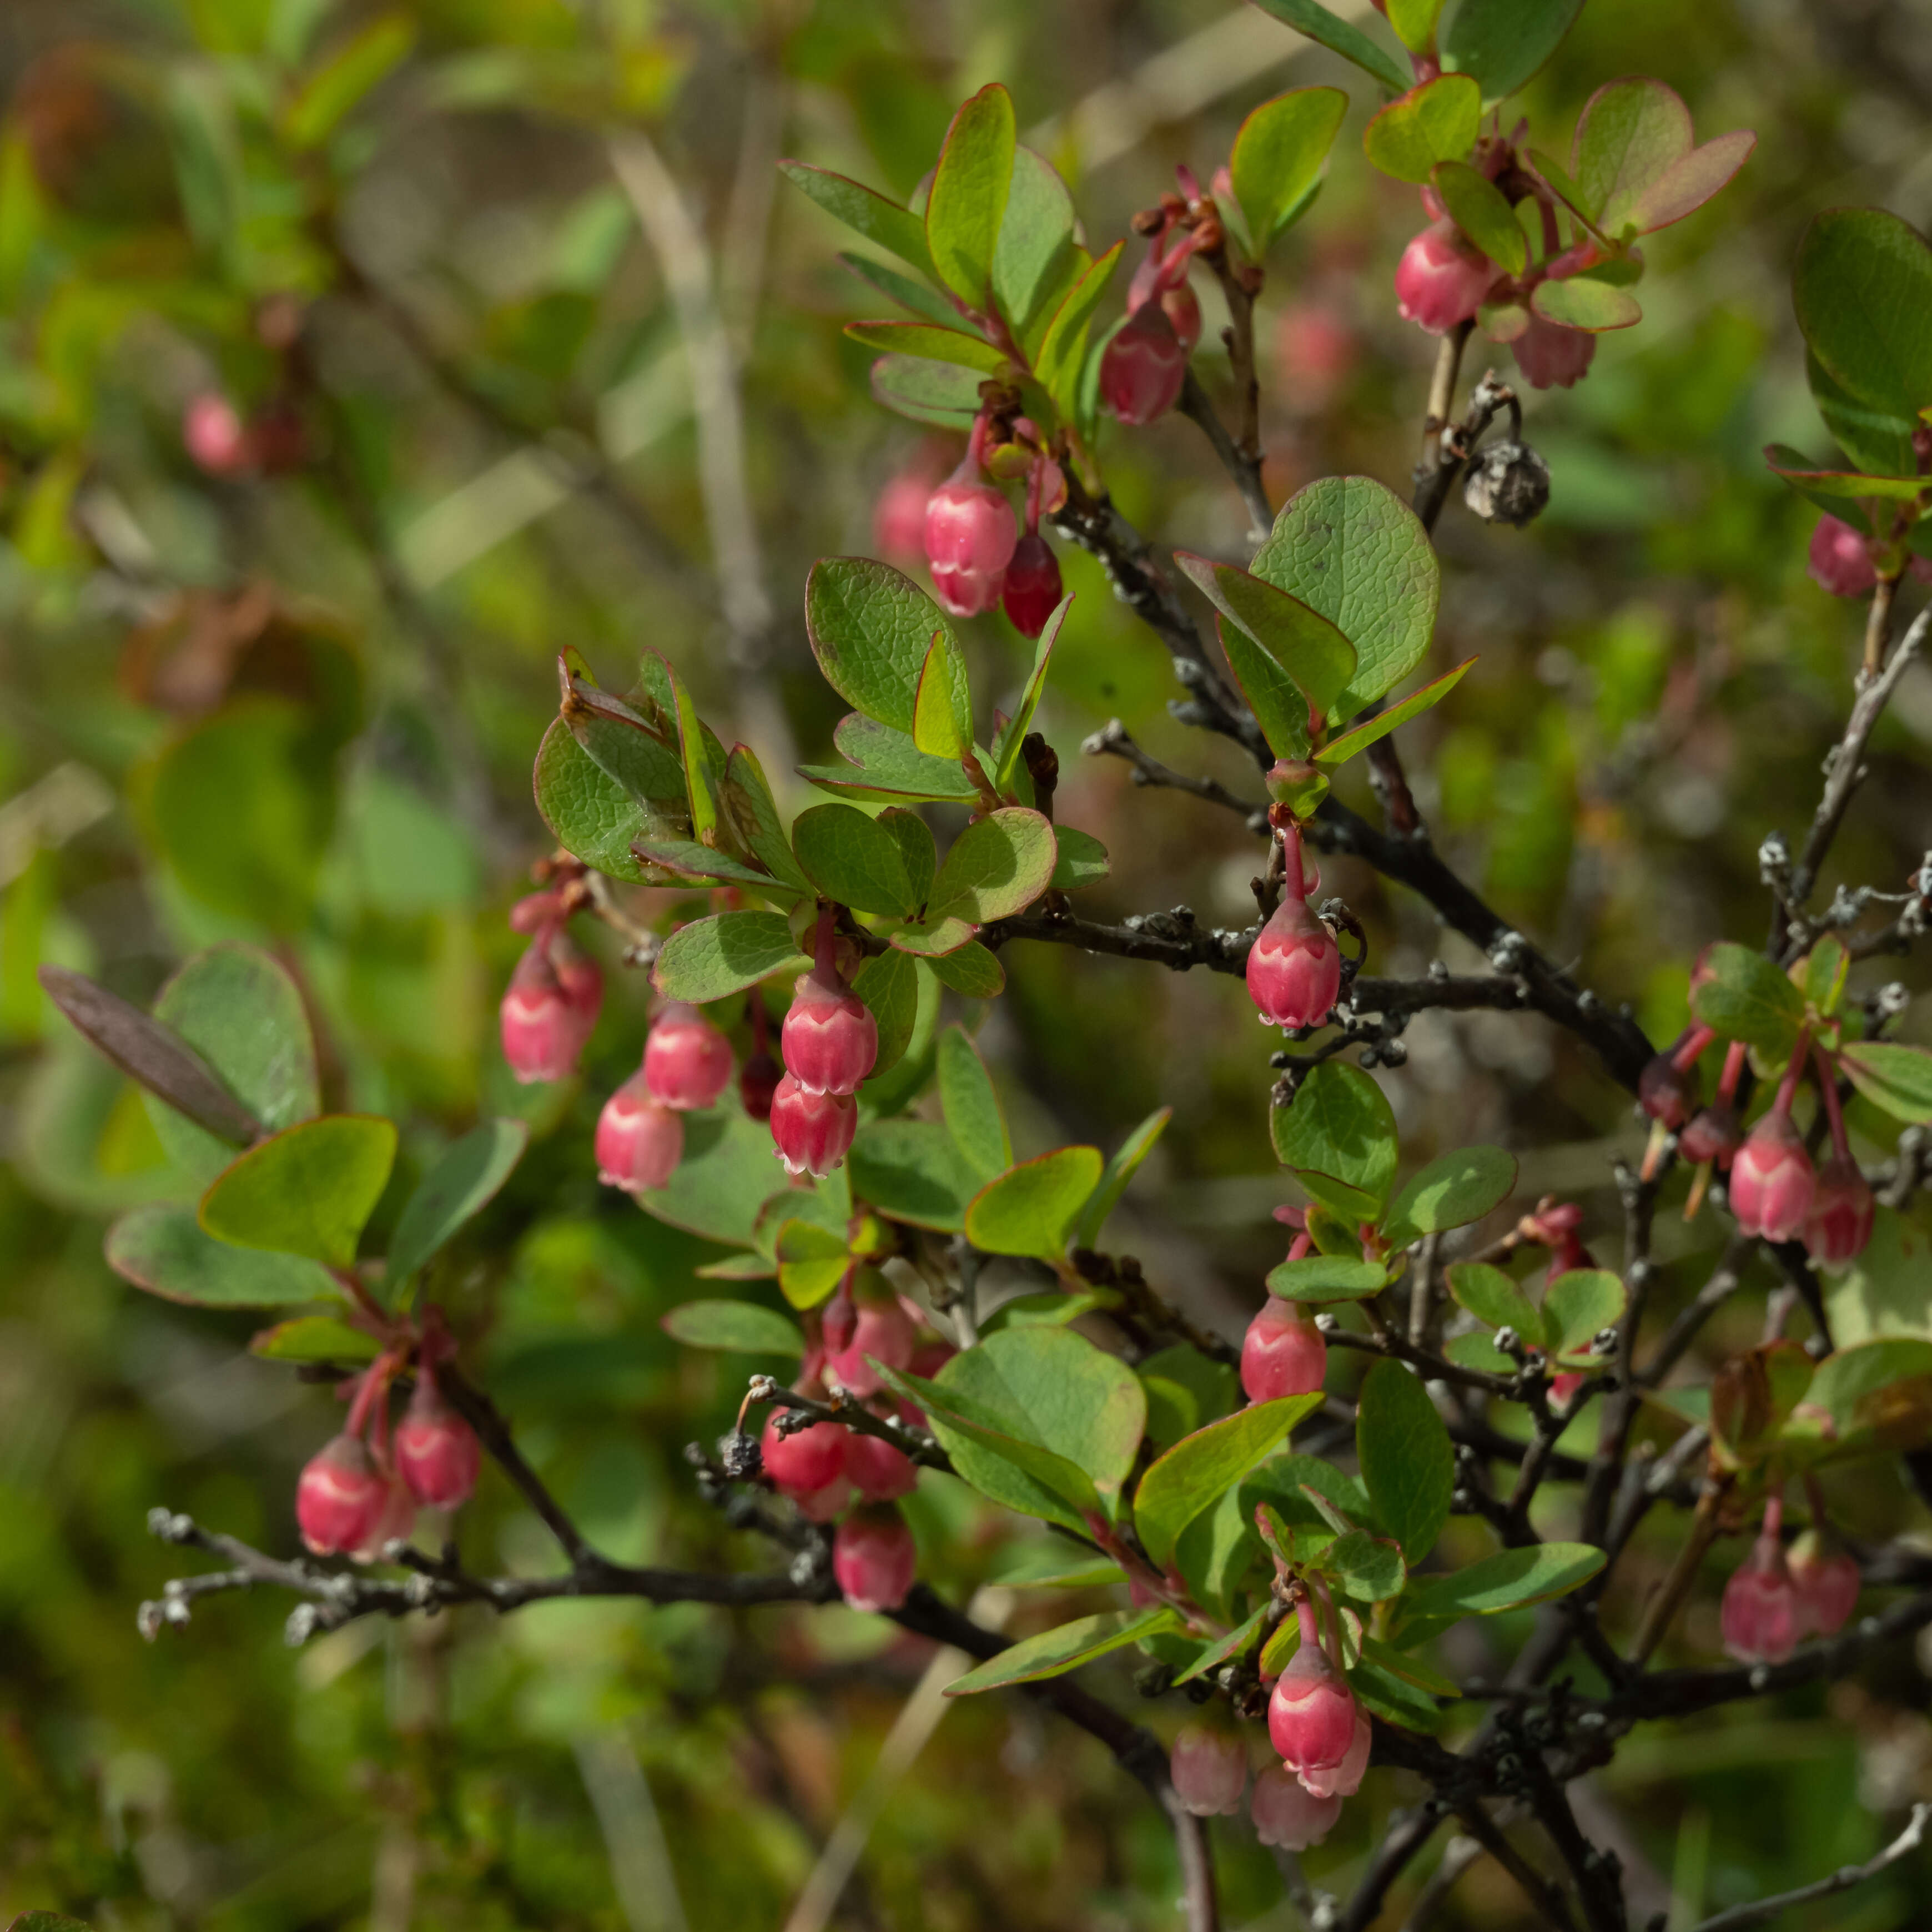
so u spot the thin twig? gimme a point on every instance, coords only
(1197, 406)
(1112, 740)
(1763, 1909)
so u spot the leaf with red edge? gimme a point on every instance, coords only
(1685, 188)
(1629, 136)
(1583, 303)
(1798, 470)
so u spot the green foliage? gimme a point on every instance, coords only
(308, 1190)
(1436, 121)
(1407, 1461)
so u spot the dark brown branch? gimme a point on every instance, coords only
(1546, 1898)
(842, 1408)
(1111, 740)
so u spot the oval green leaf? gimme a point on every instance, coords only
(735, 1327)
(309, 1190)
(1200, 1468)
(1031, 1209)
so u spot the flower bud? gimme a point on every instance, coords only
(1032, 590)
(341, 1497)
(1183, 311)
(1344, 1780)
(1288, 1816)
(898, 518)
(812, 1132)
(1295, 968)
(1712, 1133)
(806, 1459)
(639, 1142)
(1772, 1186)
(687, 1060)
(1667, 1092)
(1440, 281)
(757, 1081)
(1143, 368)
(874, 1559)
(1311, 1712)
(544, 1026)
(393, 1521)
(214, 435)
(1842, 1211)
(970, 531)
(1209, 1766)
(1507, 483)
(830, 1039)
(1283, 1353)
(1760, 1616)
(824, 1505)
(1827, 1582)
(437, 1454)
(877, 1470)
(1840, 559)
(881, 1332)
(1552, 357)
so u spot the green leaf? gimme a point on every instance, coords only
(1511, 1580)
(1896, 1077)
(330, 94)
(1634, 163)
(1058, 1389)
(689, 860)
(812, 1261)
(1326, 1278)
(997, 866)
(1339, 1136)
(1745, 997)
(1436, 121)
(700, 783)
(164, 1250)
(1193, 1474)
(1493, 1299)
(459, 1187)
(1503, 42)
(1478, 208)
(969, 970)
(973, 1115)
(1414, 22)
(1058, 358)
(724, 952)
(916, 851)
(1848, 1379)
(1338, 751)
(934, 343)
(642, 754)
(1279, 153)
(1237, 1640)
(943, 394)
(933, 939)
(1410, 1669)
(913, 1171)
(871, 628)
(1031, 1209)
(1875, 439)
(850, 857)
(1831, 488)
(1353, 551)
(1368, 1568)
(729, 1171)
(902, 289)
(315, 1338)
(1280, 707)
(1007, 750)
(1453, 1190)
(1579, 1306)
(1080, 860)
(893, 226)
(968, 203)
(589, 814)
(1406, 1459)
(1121, 1168)
(1036, 258)
(1302, 641)
(307, 1191)
(1341, 36)
(1583, 302)
(942, 724)
(888, 983)
(888, 766)
(1199, 1389)
(1052, 1653)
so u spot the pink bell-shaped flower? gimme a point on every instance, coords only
(1144, 368)
(1839, 559)
(1827, 1581)
(812, 1132)
(1552, 357)
(1283, 1353)
(1345, 1780)
(393, 1521)
(878, 1471)
(687, 1060)
(1440, 281)
(549, 1010)
(1032, 591)
(437, 1454)
(1287, 1815)
(1760, 1616)
(807, 1459)
(970, 533)
(640, 1141)
(881, 1332)
(874, 1559)
(1312, 1710)
(1712, 1133)
(1843, 1209)
(340, 1497)
(830, 1040)
(1295, 968)
(1209, 1767)
(1772, 1185)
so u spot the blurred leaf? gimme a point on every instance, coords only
(998, 866)
(1634, 163)
(1478, 208)
(1584, 303)
(739, 1327)
(913, 1171)
(462, 1183)
(315, 1338)
(875, 216)
(1453, 1190)
(1510, 1580)
(724, 952)
(1496, 1301)
(1080, 860)
(1503, 42)
(1414, 22)
(1236, 1643)
(1406, 1457)
(1059, 358)
(1196, 1472)
(812, 1261)
(1279, 153)
(888, 983)
(330, 94)
(1341, 36)
(1745, 997)
(307, 1191)
(729, 1171)
(1036, 260)
(967, 203)
(1338, 1136)
(932, 344)
(946, 394)
(969, 970)
(1368, 1568)
(1326, 1278)
(1579, 1306)
(1891, 1075)
(1031, 1209)
(973, 1115)
(164, 1249)
(915, 296)
(1436, 121)
(1054, 1652)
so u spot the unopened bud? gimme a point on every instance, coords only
(877, 1470)
(881, 1332)
(687, 1060)
(340, 1497)
(830, 1040)
(1209, 1767)
(970, 532)
(640, 1141)
(1144, 367)
(874, 1559)
(1281, 1353)
(1032, 589)
(805, 1459)
(437, 1454)
(1507, 483)
(1286, 1815)
(812, 1132)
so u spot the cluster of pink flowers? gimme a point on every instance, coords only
(1774, 1600)
(830, 1042)
(687, 1064)
(1318, 1730)
(361, 1490)
(830, 1471)
(1295, 967)
(549, 1009)
(1775, 1188)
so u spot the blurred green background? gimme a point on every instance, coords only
(301, 706)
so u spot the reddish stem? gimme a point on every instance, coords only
(1787, 1087)
(1828, 1085)
(1734, 1065)
(1690, 1047)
